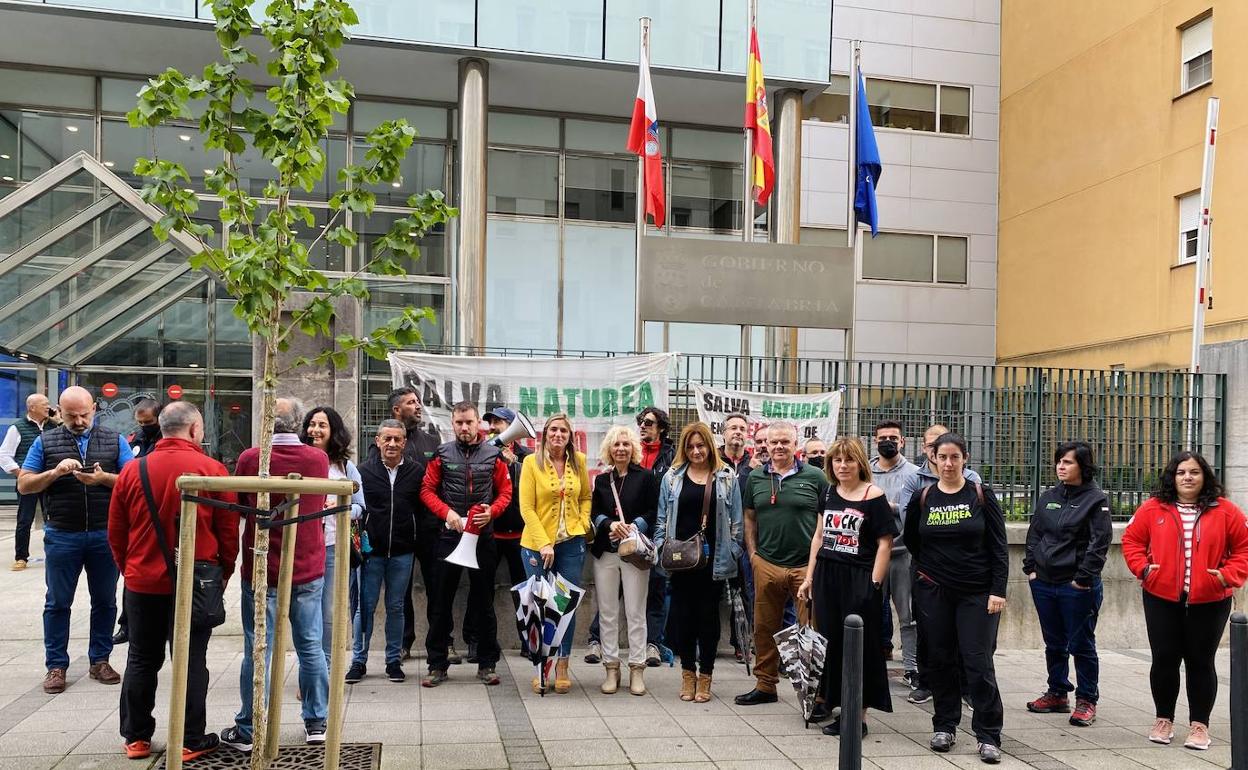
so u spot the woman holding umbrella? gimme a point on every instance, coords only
(955, 532)
(555, 504)
(849, 558)
(699, 494)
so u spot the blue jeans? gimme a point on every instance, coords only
(68, 554)
(305, 631)
(1068, 623)
(396, 573)
(569, 562)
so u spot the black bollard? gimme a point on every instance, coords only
(851, 696)
(1239, 691)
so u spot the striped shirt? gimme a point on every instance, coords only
(1188, 514)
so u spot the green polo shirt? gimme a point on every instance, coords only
(785, 527)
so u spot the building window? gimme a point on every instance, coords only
(1197, 53)
(915, 257)
(1189, 226)
(932, 107)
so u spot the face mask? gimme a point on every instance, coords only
(888, 449)
(815, 461)
(151, 431)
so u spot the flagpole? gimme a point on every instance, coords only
(851, 150)
(639, 344)
(1204, 264)
(747, 166)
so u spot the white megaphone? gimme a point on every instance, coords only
(521, 427)
(465, 554)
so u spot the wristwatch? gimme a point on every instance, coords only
(877, 585)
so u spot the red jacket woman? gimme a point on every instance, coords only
(1188, 545)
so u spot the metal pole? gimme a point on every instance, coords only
(182, 587)
(1239, 691)
(639, 329)
(339, 636)
(851, 149)
(747, 166)
(473, 150)
(277, 667)
(851, 696)
(1201, 289)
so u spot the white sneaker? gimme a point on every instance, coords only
(653, 658)
(595, 653)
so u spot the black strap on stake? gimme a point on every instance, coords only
(265, 519)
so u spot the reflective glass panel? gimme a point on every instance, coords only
(432, 260)
(832, 106)
(37, 141)
(684, 34)
(131, 300)
(233, 341)
(47, 89)
(604, 189)
(430, 21)
(175, 8)
(123, 145)
(599, 284)
(897, 257)
(794, 37)
(430, 122)
(595, 135)
(523, 183)
(522, 284)
(389, 298)
(955, 110)
(695, 144)
(950, 259)
(46, 211)
(256, 172)
(562, 27)
(705, 196)
(897, 104)
(325, 255)
(524, 130)
(423, 168)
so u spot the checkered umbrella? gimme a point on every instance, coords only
(547, 605)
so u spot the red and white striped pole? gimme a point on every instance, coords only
(1203, 296)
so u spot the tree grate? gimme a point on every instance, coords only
(355, 756)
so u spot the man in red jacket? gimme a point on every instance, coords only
(148, 597)
(290, 455)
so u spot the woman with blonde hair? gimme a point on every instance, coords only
(624, 501)
(554, 503)
(698, 478)
(848, 564)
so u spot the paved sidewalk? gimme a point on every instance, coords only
(463, 724)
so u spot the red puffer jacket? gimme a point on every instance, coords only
(1219, 541)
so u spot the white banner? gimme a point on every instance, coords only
(814, 414)
(595, 393)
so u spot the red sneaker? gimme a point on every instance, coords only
(1085, 714)
(138, 750)
(1049, 703)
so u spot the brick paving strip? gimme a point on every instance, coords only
(515, 729)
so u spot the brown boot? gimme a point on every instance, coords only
(612, 682)
(702, 694)
(104, 673)
(636, 678)
(687, 681)
(563, 683)
(54, 681)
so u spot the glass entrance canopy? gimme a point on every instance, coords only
(80, 266)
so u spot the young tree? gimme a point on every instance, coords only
(260, 262)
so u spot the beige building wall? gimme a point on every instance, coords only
(1097, 143)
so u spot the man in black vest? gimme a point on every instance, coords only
(18, 440)
(75, 466)
(467, 483)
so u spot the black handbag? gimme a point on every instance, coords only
(682, 555)
(208, 593)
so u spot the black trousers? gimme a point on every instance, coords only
(26, 505)
(694, 618)
(151, 629)
(509, 554)
(1189, 634)
(426, 561)
(960, 634)
(480, 603)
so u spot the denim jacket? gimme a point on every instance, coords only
(727, 508)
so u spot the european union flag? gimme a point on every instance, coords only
(869, 168)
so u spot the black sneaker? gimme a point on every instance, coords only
(989, 754)
(819, 713)
(356, 672)
(919, 695)
(942, 742)
(234, 738)
(835, 728)
(313, 732)
(394, 672)
(911, 678)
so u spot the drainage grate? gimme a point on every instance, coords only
(355, 756)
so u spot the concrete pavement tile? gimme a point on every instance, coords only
(464, 731)
(1048, 739)
(77, 701)
(781, 724)
(1167, 758)
(724, 748)
(644, 726)
(29, 763)
(813, 746)
(755, 764)
(972, 762)
(114, 761)
(382, 712)
(464, 756)
(567, 728)
(41, 743)
(888, 745)
(1110, 736)
(554, 706)
(633, 706)
(779, 707)
(668, 750)
(401, 758)
(930, 761)
(965, 743)
(386, 733)
(79, 719)
(579, 753)
(1095, 759)
(674, 766)
(716, 724)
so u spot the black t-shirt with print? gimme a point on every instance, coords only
(852, 528)
(958, 541)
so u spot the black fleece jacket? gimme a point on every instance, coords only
(1069, 535)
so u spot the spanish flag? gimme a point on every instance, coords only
(643, 140)
(763, 174)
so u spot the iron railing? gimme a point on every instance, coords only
(1012, 417)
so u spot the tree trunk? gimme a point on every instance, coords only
(260, 563)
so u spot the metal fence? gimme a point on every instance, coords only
(1012, 417)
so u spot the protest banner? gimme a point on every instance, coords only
(814, 414)
(595, 393)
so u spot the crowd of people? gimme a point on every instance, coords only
(810, 533)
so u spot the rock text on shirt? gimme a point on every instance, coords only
(840, 530)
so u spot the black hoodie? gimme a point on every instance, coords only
(1069, 535)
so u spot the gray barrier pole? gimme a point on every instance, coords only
(851, 696)
(1239, 691)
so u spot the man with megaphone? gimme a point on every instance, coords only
(467, 485)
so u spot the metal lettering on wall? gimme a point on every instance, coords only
(761, 284)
